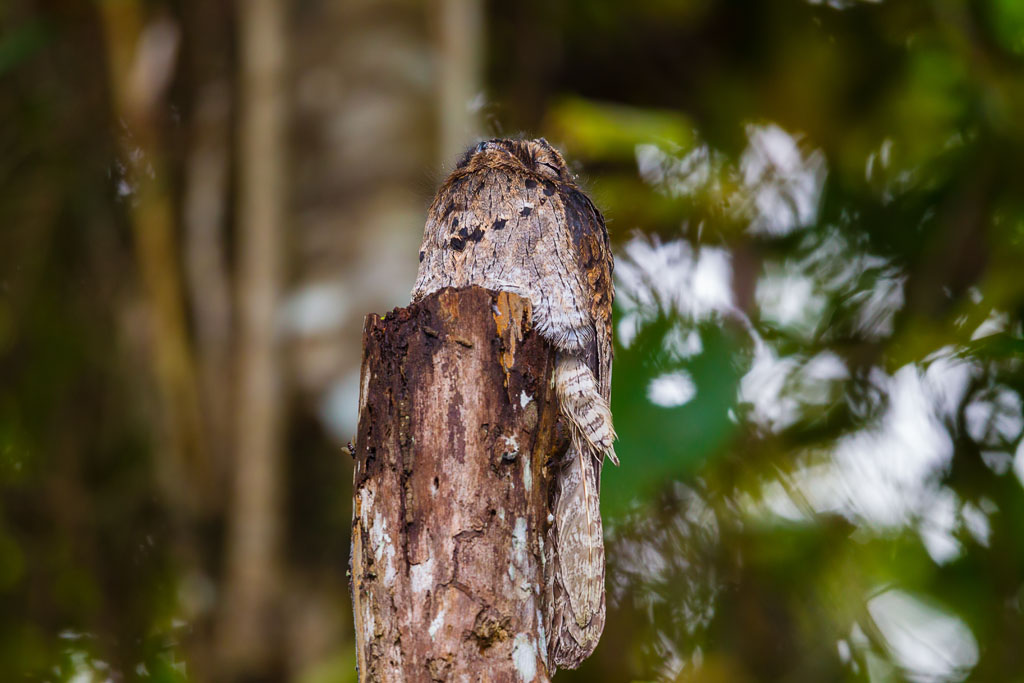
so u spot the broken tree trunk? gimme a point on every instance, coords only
(457, 422)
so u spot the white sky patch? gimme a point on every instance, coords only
(776, 184)
(930, 644)
(82, 668)
(825, 367)
(999, 462)
(712, 279)
(841, 4)
(339, 405)
(315, 308)
(996, 322)
(668, 278)
(843, 649)
(889, 179)
(1018, 462)
(774, 499)
(783, 183)
(764, 387)
(937, 528)
(672, 663)
(877, 305)
(889, 475)
(680, 345)
(995, 418)
(976, 522)
(794, 294)
(790, 300)
(889, 471)
(678, 176)
(671, 389)
(778, 389)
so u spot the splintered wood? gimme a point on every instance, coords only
(457, 425)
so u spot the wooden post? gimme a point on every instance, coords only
(457, 422)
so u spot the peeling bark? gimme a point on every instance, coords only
(457, 423)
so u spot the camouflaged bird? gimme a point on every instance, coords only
(510, 217)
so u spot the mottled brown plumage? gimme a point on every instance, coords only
(510, 217)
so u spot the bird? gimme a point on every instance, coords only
(511, 217)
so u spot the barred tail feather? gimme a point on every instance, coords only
(583, 405)
(577, 545)
(576, 585)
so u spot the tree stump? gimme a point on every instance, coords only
(457, 424)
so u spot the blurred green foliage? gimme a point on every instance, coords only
(845, 433)
(818, 214)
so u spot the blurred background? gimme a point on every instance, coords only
(817, 208)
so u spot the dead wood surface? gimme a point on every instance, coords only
(457, 420)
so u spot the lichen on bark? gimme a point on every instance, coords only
(452, 486)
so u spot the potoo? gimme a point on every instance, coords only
(510, 217)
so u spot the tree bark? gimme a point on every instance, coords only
(459, 63)
(249, 631)
(457, 422)
(141, 59)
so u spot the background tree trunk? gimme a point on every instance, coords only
(457, 420)
(459, 63)
(248, 628)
